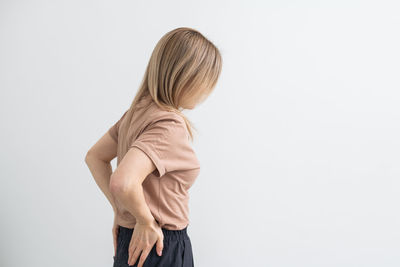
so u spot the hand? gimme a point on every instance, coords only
(143, 238)
(115, 231)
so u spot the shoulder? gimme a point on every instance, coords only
(169, 120)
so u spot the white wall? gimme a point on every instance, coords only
(299, 144)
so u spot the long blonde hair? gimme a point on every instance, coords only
(183, 63)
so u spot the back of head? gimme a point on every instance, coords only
(183, 70)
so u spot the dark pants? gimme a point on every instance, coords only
(177, 251)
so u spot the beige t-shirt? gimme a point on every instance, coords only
(163, 136)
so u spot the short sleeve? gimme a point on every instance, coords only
(113, 131)
(166, 143)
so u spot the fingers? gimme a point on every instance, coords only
(137, 249)
(160, 245)
(142, 243)
(115, 242)
(131, 250)
(115, 245)
(143, 257)
(115, 232)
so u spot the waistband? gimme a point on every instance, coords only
(168, 234)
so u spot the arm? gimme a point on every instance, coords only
(162, 146)
(150, 151)
(126, 184)
(98, 160)
(126, 187)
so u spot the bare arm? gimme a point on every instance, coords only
(126, 184)
(98, 160)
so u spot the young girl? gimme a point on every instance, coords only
(156, 164)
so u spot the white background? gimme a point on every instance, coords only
(299, 144)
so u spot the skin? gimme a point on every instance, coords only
(124, 186)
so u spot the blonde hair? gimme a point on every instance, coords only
(184, 63)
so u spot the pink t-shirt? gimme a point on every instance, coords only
(163, 136)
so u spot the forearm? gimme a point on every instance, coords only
(101, 172)
(131, 197)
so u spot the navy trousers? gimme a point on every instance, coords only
(177, 251)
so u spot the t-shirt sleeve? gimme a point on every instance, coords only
(166, 143)
(113, 130)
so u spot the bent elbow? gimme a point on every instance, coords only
(88, 156)
(115, 185)
(118, 185)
